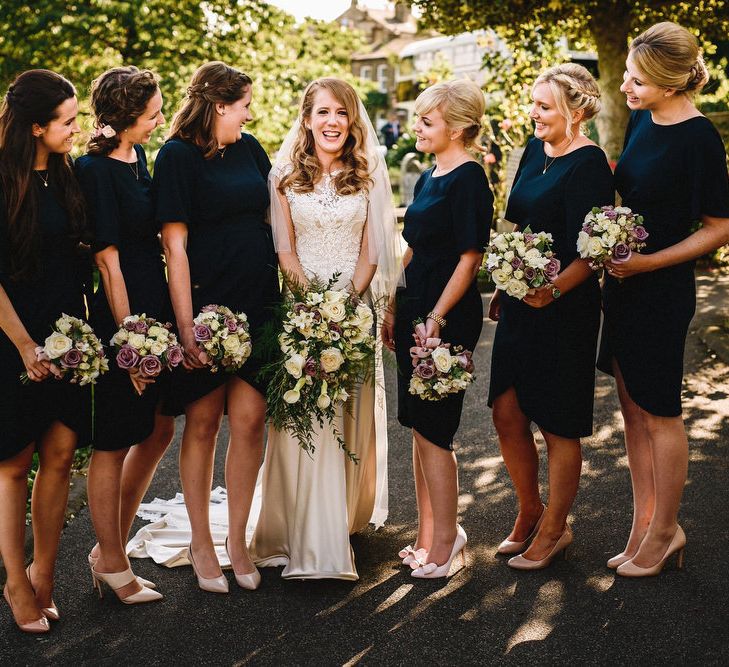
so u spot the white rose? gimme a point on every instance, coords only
(294, 365)
(120, 337)
(518, 274)
(57, 345)
(442, 359)
(622, 210)
(335, 296)
(509, 255)
(137, 340)
(64, 326)
(231, 344)
(157, 348)
(333, 310)
(521, 249)
(594, 247)
(364, 314)
(155, 331)
(507, 268)
(501, 243)
(537, 262)
(613, 229)
(214, 325)
(500, 278)
(583, 239)
(331, 359)
(517, 289)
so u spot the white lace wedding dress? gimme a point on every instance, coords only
(311, 505)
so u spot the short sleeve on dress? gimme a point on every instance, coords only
(102, 206)
(472, 208)
(174, 181)
(589, 184)
(710, 192)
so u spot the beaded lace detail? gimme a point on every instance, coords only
(328, 228)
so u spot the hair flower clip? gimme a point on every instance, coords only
(106, 131)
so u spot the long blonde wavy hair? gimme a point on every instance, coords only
(306, 169)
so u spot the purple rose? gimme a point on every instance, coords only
(552, 269)
(587, 229)
(231, 324)
(425, 369)
(335, 328)
(311, 367)
(528, 238)
(610, 214)
(640, 233)
(127, 357)
(210, 308)
(202, 332)
(530, 274)
(130, 326)
(465, 360)
(150, 366)
(516, 263)
(316, 314)
(299, 307)
(621, 252)
(140, 326)
(174, 356)
(167, 325)
(71, 359)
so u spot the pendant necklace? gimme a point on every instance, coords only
(221, 151)
(554, 157)
(134, 166)
(45, 180)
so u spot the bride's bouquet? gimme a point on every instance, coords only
(223, 336)
(438, 368)
(145, 344)
(74, 350)
(520, 261)
(327, 350)
(610, 233)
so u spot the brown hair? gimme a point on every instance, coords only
(306, 169)
(212, 83)
(669, 56)
(33, 98)
(118, 97)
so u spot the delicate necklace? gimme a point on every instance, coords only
(134, 166)
(554, 157)
(45, 180)
(221, 151)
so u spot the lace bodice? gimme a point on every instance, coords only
(328, 229)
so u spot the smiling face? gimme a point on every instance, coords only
(639, 92)
(549, 124)
(150, 119)
(57, 136)
(432, 132)
(229, 118)
(329, 124)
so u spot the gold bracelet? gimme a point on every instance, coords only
(438, 319)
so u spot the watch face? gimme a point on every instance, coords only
(556, 293)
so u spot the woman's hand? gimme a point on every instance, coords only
(540, 297)
(637, 263)
(432, 330)
(139, 382)
(495, 306)
(387, 330)
(37, 369)
(194, 356)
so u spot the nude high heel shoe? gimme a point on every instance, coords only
(141, 580)
(249, 581)
(117, 580)
(616, 561)
(509, 547)
(51, 613)
(521, 563)
(213, 585)
(410, 555)
(677, 545)
(433, 570)
(36, 627)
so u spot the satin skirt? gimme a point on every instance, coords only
(312, 504)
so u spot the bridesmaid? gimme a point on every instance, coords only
(130, 436)
(41, 276)
(542, 367)
(446, 228)
(673, 172)
(212, 200)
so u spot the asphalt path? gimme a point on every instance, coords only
(575, 612)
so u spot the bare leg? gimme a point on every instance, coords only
(441, 477)
(14, 492)
(520, 456)
(197, 457)
(246, 414)
(638, 449)
(425, 511)
(565, 465)
(48, 505)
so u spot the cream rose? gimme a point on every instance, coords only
(57, 344)
(442, 359)
(157, 348)
(294, 365)
(120, 337)
(594, 247)
(331, 359)
(583, 240)
(517, 289)
(500, 278)
(231, 344)
(333, 310)
(137, 340)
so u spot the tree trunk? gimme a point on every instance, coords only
(610, 27)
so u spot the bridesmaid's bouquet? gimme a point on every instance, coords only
(223, 335)
(610, 233)
(145, 344)
(74, 350)
(438, 368)
(328, 349)
(520, 261)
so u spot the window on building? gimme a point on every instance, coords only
(365, 73)
(382, 77)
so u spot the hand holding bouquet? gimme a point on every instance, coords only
(438, 369)
(610, 233)
(223, 336)
(74, 350)
(328, 349)
(146, 346)
(520, 261)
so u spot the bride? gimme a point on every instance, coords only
(331, 211)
